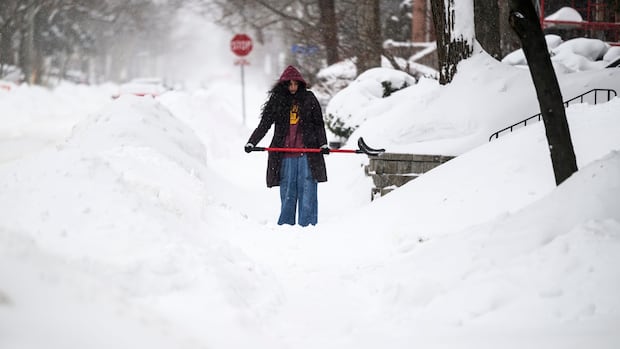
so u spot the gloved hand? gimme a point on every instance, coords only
(248, 147)
(324, 149)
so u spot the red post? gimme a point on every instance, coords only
(542, 14)
(241, 45)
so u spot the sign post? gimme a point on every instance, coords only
(241, 45)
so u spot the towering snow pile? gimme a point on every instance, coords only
(125, 199)
(131, 154)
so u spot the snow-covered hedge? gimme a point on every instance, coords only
(579, 54)
(343, 115)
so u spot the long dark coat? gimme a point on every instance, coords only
(276, 111)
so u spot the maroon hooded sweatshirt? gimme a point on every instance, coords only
(277, 112)
(294, 137)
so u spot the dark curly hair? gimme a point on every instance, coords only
(280, 98)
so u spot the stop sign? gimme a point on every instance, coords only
(241, 45)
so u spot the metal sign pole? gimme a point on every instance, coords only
(243, 93)
(241, 45)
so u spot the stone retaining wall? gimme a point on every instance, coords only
(392, 170)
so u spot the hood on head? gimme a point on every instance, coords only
(291, 73)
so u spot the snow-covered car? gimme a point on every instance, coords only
(152, 87)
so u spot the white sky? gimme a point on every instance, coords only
(142, 223)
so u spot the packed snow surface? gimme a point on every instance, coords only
(141, 223)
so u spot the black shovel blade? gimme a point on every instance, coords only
(364, 148)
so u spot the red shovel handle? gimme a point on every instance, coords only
(363, 149)
(304, 150)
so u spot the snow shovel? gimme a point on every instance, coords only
(363, 149)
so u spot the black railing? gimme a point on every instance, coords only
(581, 98)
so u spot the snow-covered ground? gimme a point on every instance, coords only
(141, 223)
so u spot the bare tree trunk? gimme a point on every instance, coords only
(6, 48)
(524, 21)
(452, 47)
(486, 17)
(8, 12)
(42, 13)
(27, 46)
(509, 41)
(369, 33)
(329, 30)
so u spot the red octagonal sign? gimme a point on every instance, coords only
(241, 45)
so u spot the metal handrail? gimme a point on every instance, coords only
(566, 104)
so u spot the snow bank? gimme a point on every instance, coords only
(575, 55)
(612, 54)
(119, 221)
(568, 14)
(365, 89)
(34, 117)
(54, 112)
(150, 227)
(119, 167)
(416, 120)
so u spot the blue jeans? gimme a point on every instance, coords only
(297, 191)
